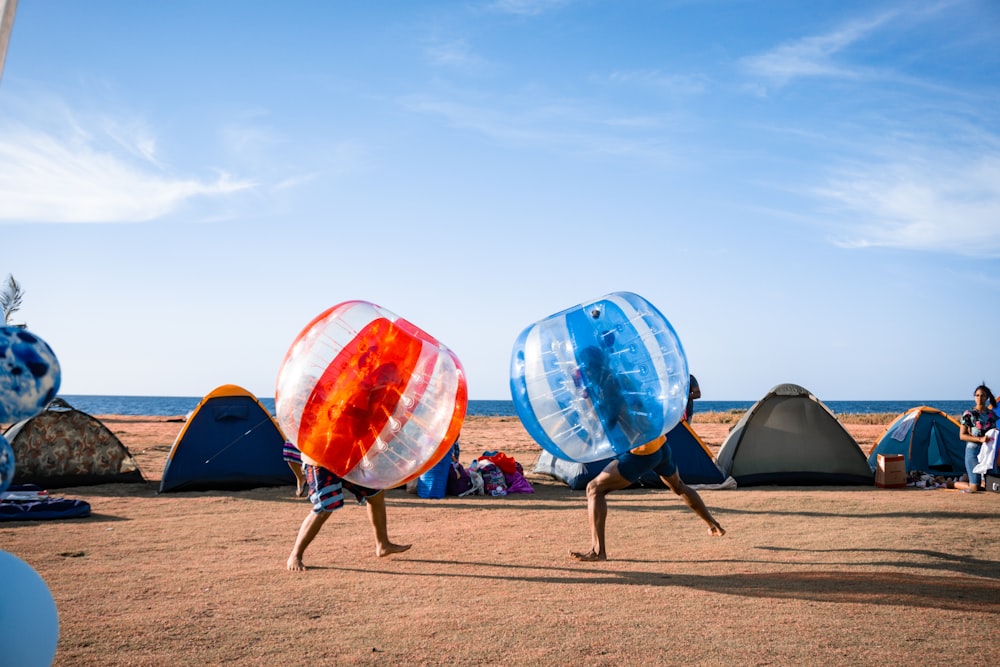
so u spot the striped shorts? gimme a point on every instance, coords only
(326, 490)
(290, 453)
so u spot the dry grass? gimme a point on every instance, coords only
(718, 417)
(733, 416)
(805, 575)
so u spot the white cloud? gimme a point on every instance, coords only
(564, 126)
(815, 55)
(83, 176)
(663, 82)
(943, 204)
(454, 53)
(133, 138)
(526, 7)
(294, 182)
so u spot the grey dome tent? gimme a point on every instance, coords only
(790, 437)
(62, 446)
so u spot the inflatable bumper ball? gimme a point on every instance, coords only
(370, 396)
(600, 378)
(29, 374)
(29, 622)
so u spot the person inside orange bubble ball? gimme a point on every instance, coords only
(326, 493)
(326, 489)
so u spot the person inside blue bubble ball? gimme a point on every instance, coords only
(608, 393)
(623, 471)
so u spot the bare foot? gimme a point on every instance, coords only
(716, 530)
(295, 564)
(390, 548)
(588, 556)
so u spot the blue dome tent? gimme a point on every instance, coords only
(229, 442)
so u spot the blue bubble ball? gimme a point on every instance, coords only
(29, 374)
(29, 633)
(600, 378)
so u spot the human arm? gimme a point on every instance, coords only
(965, 434)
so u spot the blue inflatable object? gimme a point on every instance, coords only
(29, 622)
(29, 374)
(600, 378)
(6, 464)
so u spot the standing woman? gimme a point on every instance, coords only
(975, 423)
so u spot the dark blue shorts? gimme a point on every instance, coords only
(326, 490)
(632, 466)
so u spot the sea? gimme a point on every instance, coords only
(169, 406)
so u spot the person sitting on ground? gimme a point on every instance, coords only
(975, 424)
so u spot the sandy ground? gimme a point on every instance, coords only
(805, 575)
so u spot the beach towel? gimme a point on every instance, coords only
(901, 429)
(987, 453)
(28, 502)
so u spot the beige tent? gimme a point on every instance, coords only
(61, 447)
(789, 437)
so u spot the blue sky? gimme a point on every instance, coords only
(810, 192)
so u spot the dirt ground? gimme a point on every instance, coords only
(804, 575)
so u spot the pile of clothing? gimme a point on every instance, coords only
(923, 480)
(493, 474)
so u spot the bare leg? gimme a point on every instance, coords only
(307, 531)
(598, 489)
(376, 515)
(301, 486)
(694, 501)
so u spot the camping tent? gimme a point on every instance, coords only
(62, 446)
(692, 456)
(576, 475)
(927, 438)
(230, 441)
(790, 437)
